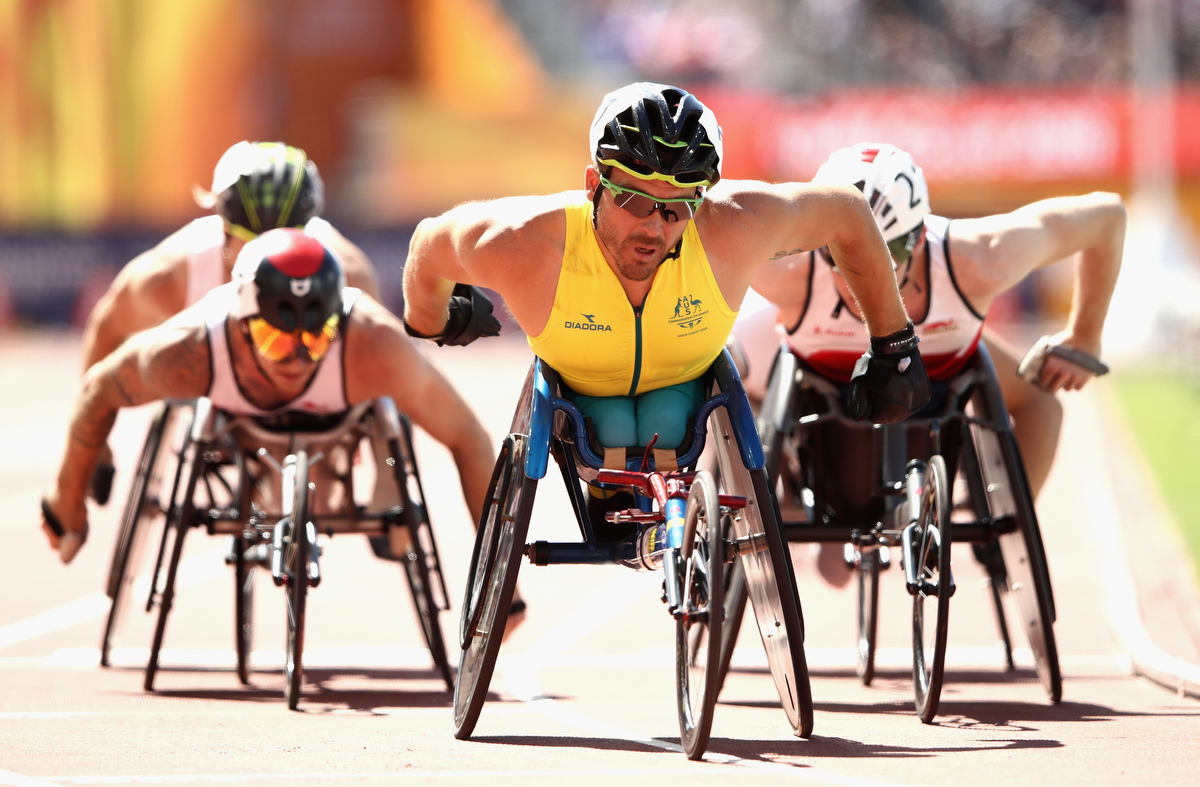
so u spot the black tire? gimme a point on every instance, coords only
(698, 624)
(931, 599)
(735, 611)
(770, 582)
(143, 508)
(1028, 577)
(868, 614)
(295, 561)
(416, 571)
(420, 564)
(243, 617)
(495, 563)
(182, 520)
(1006, 491)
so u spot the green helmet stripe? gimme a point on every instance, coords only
(612, 162)
(296, 158)
(679, 144)
(248, 204)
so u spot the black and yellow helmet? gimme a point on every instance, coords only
(259, 186)
(658, 132)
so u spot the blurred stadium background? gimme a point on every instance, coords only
(110, 110)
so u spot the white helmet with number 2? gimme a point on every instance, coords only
(890, 180)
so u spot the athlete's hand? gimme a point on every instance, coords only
(66, 527)
(1061, 362)
(889, 382)
(470, 318)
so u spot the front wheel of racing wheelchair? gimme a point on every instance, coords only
(693, 570)
(226, 458)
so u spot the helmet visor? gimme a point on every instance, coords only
(276, 345)
(642, 205)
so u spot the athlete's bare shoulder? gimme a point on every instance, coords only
(378, 352)
(157, 279)
(752, 220)
(360, 272)
(509, 222)
(503, 242)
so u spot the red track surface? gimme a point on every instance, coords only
(584, 692)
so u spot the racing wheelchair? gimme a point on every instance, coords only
(889, 487)
(248, 479)
(683, 524)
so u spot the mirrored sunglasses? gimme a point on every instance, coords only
(276, 345)
(641, 205)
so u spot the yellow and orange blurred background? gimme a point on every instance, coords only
(111, 110)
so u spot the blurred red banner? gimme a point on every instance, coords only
(1007, 135)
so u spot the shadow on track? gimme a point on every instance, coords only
(325, 690)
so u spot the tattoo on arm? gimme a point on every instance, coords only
(165, 363)
(784, 253)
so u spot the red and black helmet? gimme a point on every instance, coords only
(290, 279)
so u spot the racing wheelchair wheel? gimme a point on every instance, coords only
(1001, 481)
(143, 506)
(770, 583)
(491, 580)
(868, 613)
(181, 519)
(421, 564)
(243, 603)
(927, 546)
(698, 622)
(734, 596)
(295, 562)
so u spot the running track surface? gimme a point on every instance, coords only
(584, 691)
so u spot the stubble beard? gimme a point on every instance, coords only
(622, 253)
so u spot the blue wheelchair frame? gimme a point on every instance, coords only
(744, 526)
(542, 434)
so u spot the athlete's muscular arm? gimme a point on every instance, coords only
(509, 245)
(360, 272)
(784, 281)
(171, 361)
(151, 288)
(751, 223)
(382, 361)
(994, 253)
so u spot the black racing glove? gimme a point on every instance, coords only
(470, 318)
(889, 382)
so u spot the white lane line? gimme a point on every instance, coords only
(61, 617)
(193, 571)
(389, 775)
(1147, 659)
(399, 657)
(520, 677)
(260, 660)
(52, 714)
(17, 780)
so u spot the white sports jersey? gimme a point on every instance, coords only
(326, 391)
(830, 339)
(204, 239)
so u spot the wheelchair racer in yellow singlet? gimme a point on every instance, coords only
(629, 287)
